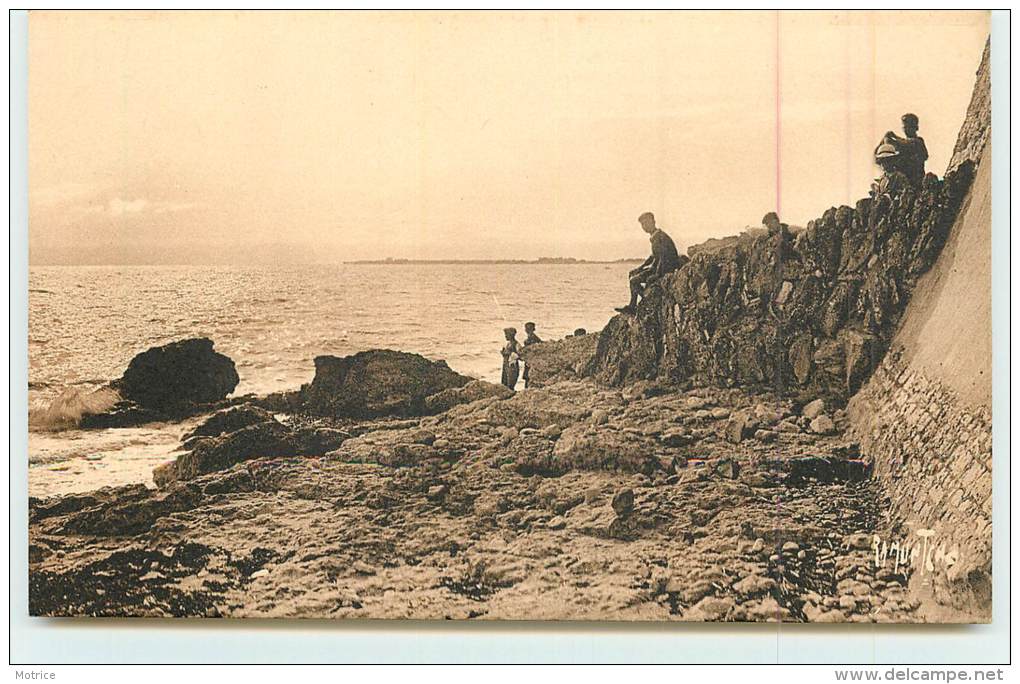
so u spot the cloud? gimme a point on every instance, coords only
(118, 207)
(172, 207)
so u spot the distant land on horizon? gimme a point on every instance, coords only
(541, 260)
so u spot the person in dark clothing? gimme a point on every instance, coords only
(664, 259)
(783, 253)
(911, 153)
(530, 338)
(511, 358)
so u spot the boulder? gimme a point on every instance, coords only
(317, 441)
(813, 409)
(800, 358)
(755, 585)
(823, 425)
(473, 391)
(563, 405)
(710, 609)
(623, 502)
(861, 353)
(177, 377)
(270, 439)
(122, 414)
(376, 383)
(556, 360)
(582, 447)
(229, 420)
(726, 468)
(738, 427)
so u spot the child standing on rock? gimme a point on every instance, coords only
(511, 358)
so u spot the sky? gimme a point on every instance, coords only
(278, 137)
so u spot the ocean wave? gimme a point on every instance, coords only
(65, 412)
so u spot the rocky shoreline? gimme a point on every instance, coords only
(572, 501)
(685, 463)
(690, 462)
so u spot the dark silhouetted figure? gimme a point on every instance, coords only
(530, 336)
(529, 339)
(511, 358)
(664, 259)
(910, 151)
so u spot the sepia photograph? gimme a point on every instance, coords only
(510, 316)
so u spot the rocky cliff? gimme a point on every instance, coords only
(924, 417)
(810, 314)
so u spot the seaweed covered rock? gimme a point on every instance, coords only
(175, 377)
(810, 314)
(375, 383)
(170, 382)
(267, 439)
(229, 420)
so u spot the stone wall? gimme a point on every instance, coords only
(933, 455)
(924, 417)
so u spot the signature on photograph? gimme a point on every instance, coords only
(928, 553)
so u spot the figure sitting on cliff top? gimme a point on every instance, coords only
(906, 154)
(511, 358)
(664, 259)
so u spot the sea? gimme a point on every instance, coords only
(87, 322)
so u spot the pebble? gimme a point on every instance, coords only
(362, 568)
(858, 541)
(823, 425)
(623, 502)
(813, 409)
(755, 584)
(557, 523)
(552, 431)
(259, 573)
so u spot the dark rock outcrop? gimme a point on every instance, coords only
(242, 433)
(122, 414)
(229, 420)
(372, 384)
(976, 130)
(267, 439)
(178, 376)
(171, 382)
(810, 316)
